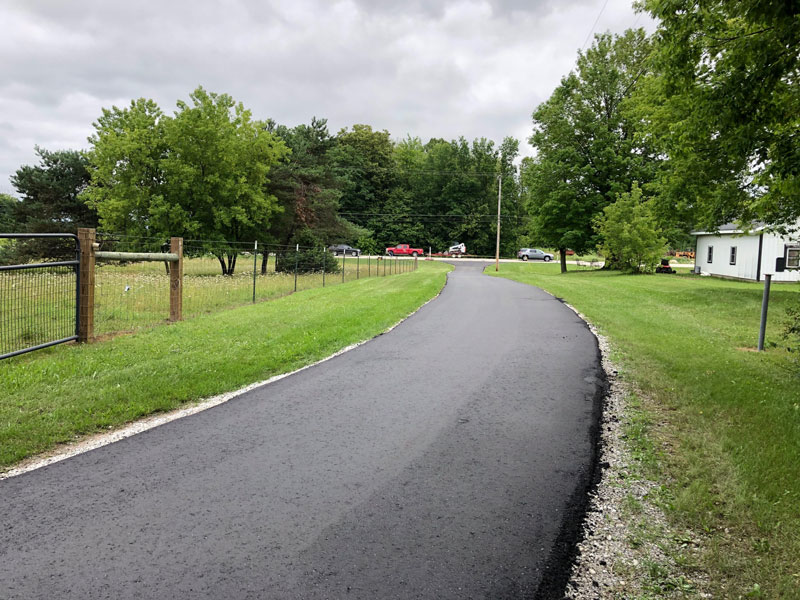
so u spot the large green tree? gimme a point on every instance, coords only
(308, 187)
(215, 174)
(127, 176)
(363, 158)
(725, 108)
(200, 174)
(586, 150)
(49, 193)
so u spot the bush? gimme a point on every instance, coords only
(368, 245)
(632, 240)
(309, 258)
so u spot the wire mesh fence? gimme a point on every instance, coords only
(217, 275)
(38, 292)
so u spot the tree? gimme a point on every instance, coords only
(308, 187)
(49, 203)
(50, 193)
(215, 175)
(364, 160)
(127, 177)
(201, 174)
(586, 149)
(630, 233)
(8, 221)
(725, 108)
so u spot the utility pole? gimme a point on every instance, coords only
(497, 249)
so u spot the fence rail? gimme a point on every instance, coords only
(120, 287)
(39, 301)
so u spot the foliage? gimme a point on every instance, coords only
(49, 203)
(724, 108)
(363, 158)
(308, 185)
(8, 220)
(630, 235)
(200, 174)
(307, 254)
(586, 149)
(127, 175)
(368, 245)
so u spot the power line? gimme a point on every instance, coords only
(591, 31)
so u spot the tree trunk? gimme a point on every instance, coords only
(221, 259)
(562, 252)
(264, 259)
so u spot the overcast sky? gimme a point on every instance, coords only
(428, 68)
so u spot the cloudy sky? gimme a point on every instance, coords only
(428, 68)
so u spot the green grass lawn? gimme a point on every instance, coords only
(725, 420)
(58, 394)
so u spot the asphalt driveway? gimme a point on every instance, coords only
(448, 458)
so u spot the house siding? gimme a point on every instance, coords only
(746, 266)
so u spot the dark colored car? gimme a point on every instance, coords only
(534, 254)
(342, 249)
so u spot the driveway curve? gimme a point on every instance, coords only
(445, 459)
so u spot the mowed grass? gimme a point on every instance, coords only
(128, 297)
(725, 420)
(61, 393)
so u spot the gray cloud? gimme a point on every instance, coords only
(428, 68)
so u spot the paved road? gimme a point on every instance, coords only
(437, 461)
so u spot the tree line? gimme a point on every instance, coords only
(645, 139)
(694, 126)
(213, 174)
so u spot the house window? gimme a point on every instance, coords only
(733, 255)
(710, 258)
(793, 257)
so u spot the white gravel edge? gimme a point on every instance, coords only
(98, 440)
(608, 564)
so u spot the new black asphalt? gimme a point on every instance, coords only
(447, 458)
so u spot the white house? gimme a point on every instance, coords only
(731, 252)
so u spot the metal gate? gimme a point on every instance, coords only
(39, 301)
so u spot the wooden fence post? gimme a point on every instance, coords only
(86, 238)
(176, 280)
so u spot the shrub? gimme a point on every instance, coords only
(309, 257)
(632, 240)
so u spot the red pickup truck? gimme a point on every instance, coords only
(404, 250)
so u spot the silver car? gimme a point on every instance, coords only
(534, 254)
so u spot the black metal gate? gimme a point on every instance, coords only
(39, 301)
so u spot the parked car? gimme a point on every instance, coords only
(342, 249)
(404, 250)
(534, 254)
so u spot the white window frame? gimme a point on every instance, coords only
(793, 249)
(710, 255)
(733, 254)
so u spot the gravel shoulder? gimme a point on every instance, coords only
(628, 547)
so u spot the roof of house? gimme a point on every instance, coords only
(733, 228)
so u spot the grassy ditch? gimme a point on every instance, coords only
(64, 392)
(723, 421)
